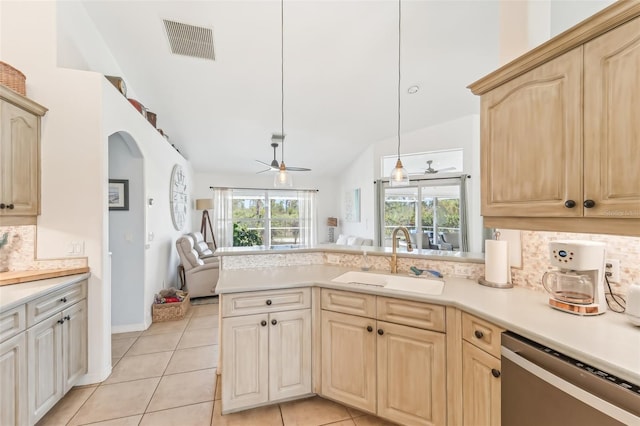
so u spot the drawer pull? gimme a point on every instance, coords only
(380, 331)
(63, 300)
(67, 318)
(369, 328)
(269, 302)
(61, 321)
(479, 334)
(495, 373)
(263, 323)
(274, 322)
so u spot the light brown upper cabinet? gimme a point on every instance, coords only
(560, 134)
(19, 158)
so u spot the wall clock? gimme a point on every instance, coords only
(178, 197)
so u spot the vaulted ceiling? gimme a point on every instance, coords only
(340, 73)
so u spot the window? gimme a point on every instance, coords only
(433, 210)
(264, 217)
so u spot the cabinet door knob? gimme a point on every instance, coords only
(479, 334)
(263, 323)
(269, 302)
(3, 206)
(380, 331)
(495, 373)
(569, 204)
(10, 206)
(61, 321)
(369, 328)
(274, 322)
(68, 318)
(589, 204)
(63, 300)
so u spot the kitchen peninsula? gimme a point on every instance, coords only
(275, 299)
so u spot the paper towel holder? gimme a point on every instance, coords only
(487, 283)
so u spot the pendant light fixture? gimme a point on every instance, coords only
(283, 178)
(399, 175)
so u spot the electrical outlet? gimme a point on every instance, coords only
(461, 270)
(612, 267)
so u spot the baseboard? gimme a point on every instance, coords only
(94, 378)
(128, 327)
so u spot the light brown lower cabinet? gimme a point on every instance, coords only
(392, 370)
(480, 387)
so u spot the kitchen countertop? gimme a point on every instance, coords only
(18, 294)
(608, 342)
(17, 277)
(455, 256)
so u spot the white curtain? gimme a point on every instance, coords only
(223, 216)
(308, 214)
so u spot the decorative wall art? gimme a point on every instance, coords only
(118, 194)
(352, 205)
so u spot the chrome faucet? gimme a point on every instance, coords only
(394, 243)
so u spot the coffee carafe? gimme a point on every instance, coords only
(577, 286)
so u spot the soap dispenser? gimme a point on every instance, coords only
(364, 264)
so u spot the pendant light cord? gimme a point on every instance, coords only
(282, 77)
(399, 75)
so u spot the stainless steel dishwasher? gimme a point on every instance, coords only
(541, 386)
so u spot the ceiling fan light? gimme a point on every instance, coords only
(283, 178)
(399, 175)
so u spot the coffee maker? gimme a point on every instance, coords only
(577, 286)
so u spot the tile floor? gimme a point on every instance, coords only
(166, 375)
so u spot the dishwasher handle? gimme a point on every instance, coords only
(580, 394)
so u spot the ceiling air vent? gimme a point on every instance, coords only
(189, 40)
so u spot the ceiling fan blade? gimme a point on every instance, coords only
(298, 169)
(266, 164)
(264, 171)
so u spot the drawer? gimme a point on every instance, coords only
(414, 314)
(12, 322)
(482, 334)
(257, 302)
(45, 306)
(348, 302)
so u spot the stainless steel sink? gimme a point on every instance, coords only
(393, 282)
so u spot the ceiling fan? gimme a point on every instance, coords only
(274, 166)
(430, 170)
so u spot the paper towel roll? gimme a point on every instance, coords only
(496, 261)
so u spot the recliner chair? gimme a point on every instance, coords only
(204, 252)
(200, 278)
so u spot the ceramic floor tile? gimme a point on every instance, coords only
(312, 412)
(181, 389)
(123, 421)
(115, 401)
(166, 327)
(204, 310)
(114, 362)
(209, 321)
(192, 359)
(263, 416)
(139, 367)
(154, 343)
(348, 422)
(120, 346)
(198, 337)
(370, 420)
(126, 335)
(355, 413)
(196, 415)
(67, 407)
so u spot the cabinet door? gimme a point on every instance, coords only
(411, 375)
(19, 160)
(612, 124)
(245, 355)
(13, 386)
(349, 360)
(45, 366)
(480, 387)
(74, 343)
(289, 354)
(531, 142)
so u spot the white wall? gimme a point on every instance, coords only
(567, 13)
(327, 201)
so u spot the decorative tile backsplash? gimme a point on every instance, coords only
(535, 257)
(19, 250)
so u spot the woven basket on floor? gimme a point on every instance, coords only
(12, 78)
(170, 311)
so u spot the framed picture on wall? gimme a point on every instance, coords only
(118, 194)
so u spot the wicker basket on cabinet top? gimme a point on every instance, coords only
(12, 78)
